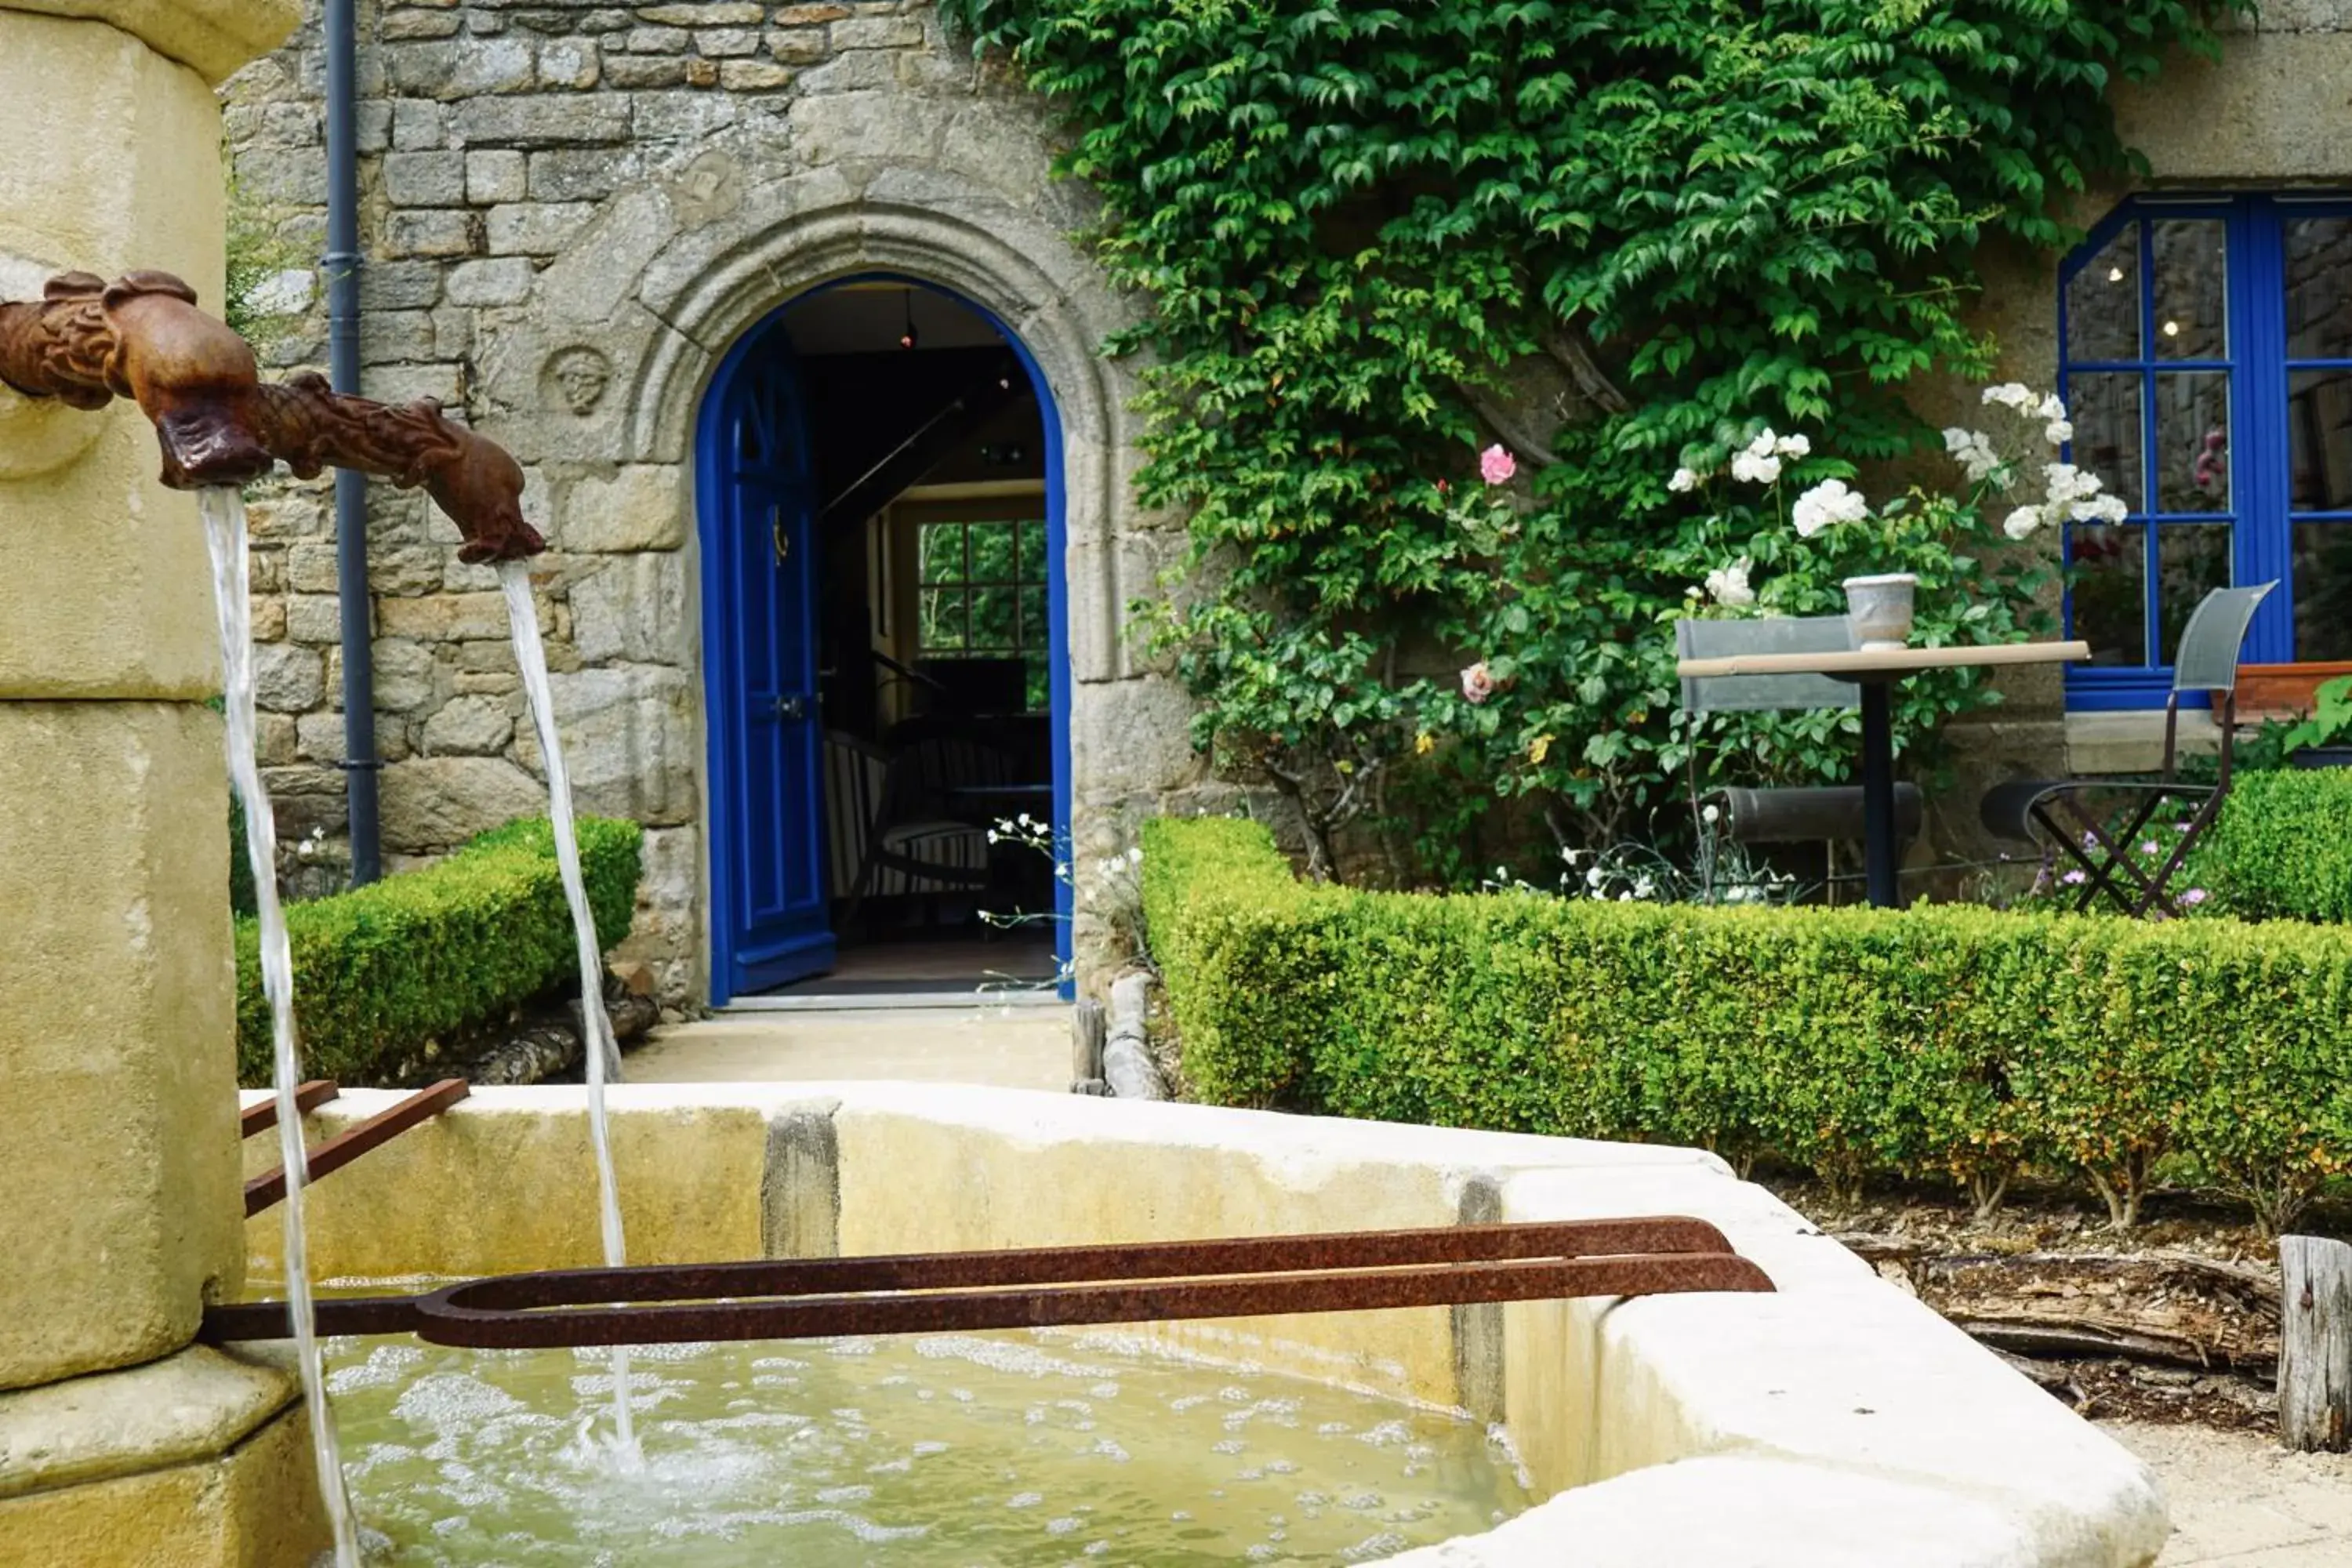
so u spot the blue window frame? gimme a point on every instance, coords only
(2206, 360)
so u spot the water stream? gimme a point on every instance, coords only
(603, 1054)
(224, 515)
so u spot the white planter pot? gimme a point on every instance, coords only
(1879, 610)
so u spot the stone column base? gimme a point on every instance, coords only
(199, 1460)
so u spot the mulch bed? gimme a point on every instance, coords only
(2174, 1320)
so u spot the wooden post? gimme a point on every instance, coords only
(2314, 1383)
(1089, 1029)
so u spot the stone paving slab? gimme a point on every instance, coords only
(1007, 1048)
(2237, 1498)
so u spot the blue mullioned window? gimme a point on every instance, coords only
(2206, 361)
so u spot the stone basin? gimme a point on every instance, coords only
(1835, 1422)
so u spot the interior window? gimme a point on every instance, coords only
(983, 596)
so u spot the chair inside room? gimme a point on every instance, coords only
(883, 844)
(1783, 815)
(2058, 814)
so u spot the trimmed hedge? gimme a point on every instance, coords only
(2282, 848)
(381, 970)
(1948, 1041)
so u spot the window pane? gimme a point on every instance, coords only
(2191, 319)
(1033, 552)
(2111, 568)
(2319, 440)
(1041, 684)
(1033, 616)
(2103, 301)
(2319, 289)
(941, 549)
(2104, 409)
(993, 618)
(2192, 441)
(943, 620)
(991, 553)
(2192, 559)
(2323, 591)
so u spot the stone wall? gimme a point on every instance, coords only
(569, 212)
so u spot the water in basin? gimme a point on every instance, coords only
(947, 1451)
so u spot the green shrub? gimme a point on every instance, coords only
(381, 970)
(1944, 1041)
(2282, 847)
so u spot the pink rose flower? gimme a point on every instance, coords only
(1477, 683)
(1496, 465)
(2194, 897)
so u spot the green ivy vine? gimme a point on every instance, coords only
(1356, 224)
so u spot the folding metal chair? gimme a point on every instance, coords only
(2051, 813)
(1786, 815)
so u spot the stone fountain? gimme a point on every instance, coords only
(1830, 1423)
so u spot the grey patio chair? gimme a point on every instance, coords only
(1782, 816)
(2051, 811)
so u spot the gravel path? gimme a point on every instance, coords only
(2238, 1499)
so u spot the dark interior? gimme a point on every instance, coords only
(933, 648)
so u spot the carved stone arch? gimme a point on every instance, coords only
(1030, 278)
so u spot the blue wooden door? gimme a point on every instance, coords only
(769, 832)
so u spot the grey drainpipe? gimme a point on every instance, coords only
(342, 267)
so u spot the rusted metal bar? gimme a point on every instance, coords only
(1038, 1288)
(342, 1148)
(308, 1098)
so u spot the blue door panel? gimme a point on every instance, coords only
(769, 917)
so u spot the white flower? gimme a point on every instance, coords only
(1793, 446)
(2067, 484)
(1594, 878)
(2052, 408)
(2010, 395)
(1711, 815)
(1765, 443)
(1643, 887)
(1727, 585)
(2100, 508)
(2023, 521)
(2058, 432)
(1684, 479)
(1827, 502)
(1972, 449)
(1750, 468)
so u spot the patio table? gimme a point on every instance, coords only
(1874, 671)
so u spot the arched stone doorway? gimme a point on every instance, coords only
(880, 512)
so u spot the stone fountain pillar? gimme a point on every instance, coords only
(119, 1201)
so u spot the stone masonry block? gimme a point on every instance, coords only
(645, 72)
(117, 1103)
(424, 179)
(493, 65)
(572, 63)
(399, 286)
(753, 76)
(536, 228)
(504, 282)
(527, 121)
(495, 176)
(634, 609)
(430, 233)
(638, 507)
(716, 14)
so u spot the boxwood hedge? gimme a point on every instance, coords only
(381, 970)
(2282, 847)
(1949, 1041)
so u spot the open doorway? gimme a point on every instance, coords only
(884, 650)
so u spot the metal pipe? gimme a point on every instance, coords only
(341, 265)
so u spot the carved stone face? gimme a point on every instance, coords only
(580, 377)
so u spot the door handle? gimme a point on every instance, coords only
(791, 708)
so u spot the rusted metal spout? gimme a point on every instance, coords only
(87, 341)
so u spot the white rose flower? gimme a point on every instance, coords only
(1684, 479)
(1827, 502)
(1751, 469)
(2105, 508)
(2010, 395)
(1727, 585)
(2058, 432)
(1793, 446)
(2022, 523)
(1765, 443)
(2052, 408)
(1972, 449)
